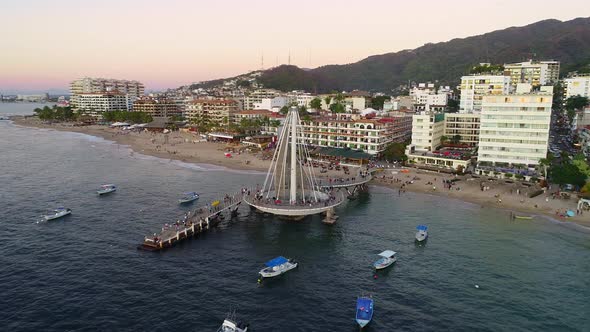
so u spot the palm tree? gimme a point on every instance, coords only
(545, 162)
(328, 100)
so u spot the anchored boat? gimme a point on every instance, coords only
(277, 266)
(387, 258)
(422, 233)
(230, 324)
(189, 197)
(364, 311)
(106, 189)
(58, 213)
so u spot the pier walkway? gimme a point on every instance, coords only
(326, 183)
(194, 222)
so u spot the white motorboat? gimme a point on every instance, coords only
(422, 233)
(58, 213)
(277, 266)
(189, 197)
(387, 258)
(106, 188)
(230, 324)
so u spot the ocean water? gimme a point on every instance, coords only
(84, 273)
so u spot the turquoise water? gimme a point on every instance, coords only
(84, 272)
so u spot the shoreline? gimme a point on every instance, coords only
(184, 147)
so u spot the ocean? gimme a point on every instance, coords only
(84, 272)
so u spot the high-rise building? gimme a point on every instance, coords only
(427, 130)
(536, 73)
(577, 86)
(218, 111)
(132, 89)
(474, 87)
(157, 107)
(464, 126)
(257, 96)
(515, 127)
(96, 103)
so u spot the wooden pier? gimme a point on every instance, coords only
(194, 222)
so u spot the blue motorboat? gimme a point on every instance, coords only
(189, 197)
(364, 310)
(422, 233)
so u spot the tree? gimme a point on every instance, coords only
(567, 173)
(456, 139)
(444, 139)
(481, 69)
(337, 108)
(302, 111)
(395, 151)
(452, 106)
(573, 104)
(316, 103)
(328, 100)
(545, 163)
(284, 110)
(377, 102)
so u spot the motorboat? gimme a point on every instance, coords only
(230, 324)
(277, 266)
(106, 189)
(189, 197)
(364, 310)
(422, 233)
(58, 213)
(387, 258)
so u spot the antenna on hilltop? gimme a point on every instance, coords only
(262, 61)
(289, 62)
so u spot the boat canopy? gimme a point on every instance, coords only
(387, 253)
(276, 261)
(421, 227)
(108, 185)
(192, 193)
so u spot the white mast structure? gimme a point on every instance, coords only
(290, 177)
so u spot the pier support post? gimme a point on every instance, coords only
(207, 222)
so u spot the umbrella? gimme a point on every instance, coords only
(570, 213)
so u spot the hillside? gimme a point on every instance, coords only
(568, 42)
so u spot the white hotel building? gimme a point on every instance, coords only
(577, 86)
(474, 87)
(88, 85)
(97, 103)
(515, 127)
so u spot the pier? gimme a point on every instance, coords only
(194, 222)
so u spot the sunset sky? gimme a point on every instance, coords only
(45, 44)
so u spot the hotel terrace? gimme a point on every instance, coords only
(369, 135)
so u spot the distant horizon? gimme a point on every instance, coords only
(180, 49)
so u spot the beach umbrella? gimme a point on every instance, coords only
(570, 213)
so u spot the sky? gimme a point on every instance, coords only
(45, 44)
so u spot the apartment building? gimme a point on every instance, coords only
(257, 96)
(96, 103)
(157, 107)
(577, 86)
(465, 125)
(88, 85)
(300, 98)
(474, 87)
(273, 104)
(536, 73)
(514, 128)
(370, 135)
(215, 110)
(251, 115)
(427, 130)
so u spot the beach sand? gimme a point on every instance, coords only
(187, 147)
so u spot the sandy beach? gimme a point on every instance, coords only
(188, 147)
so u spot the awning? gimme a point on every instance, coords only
(276, 261)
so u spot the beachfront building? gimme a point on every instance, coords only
(425, 97)
(369, 135)
(536, 73)
(462, 128)
(514, 128)
(428, 129)
(157, 107)
(217, 111)
(88, 85)
(40, 98)
(577, 86)
(474, 87)
(273, 104)
(96, 103)
(250, 100)
(357, 100)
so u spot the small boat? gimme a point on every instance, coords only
(364, 310)
(387, 258)
(189, 197)
(106, 188)
(230, 324)
(277, 266)
(422, 233)
(523, 217)
(58, 213)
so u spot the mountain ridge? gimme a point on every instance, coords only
(444, 62)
